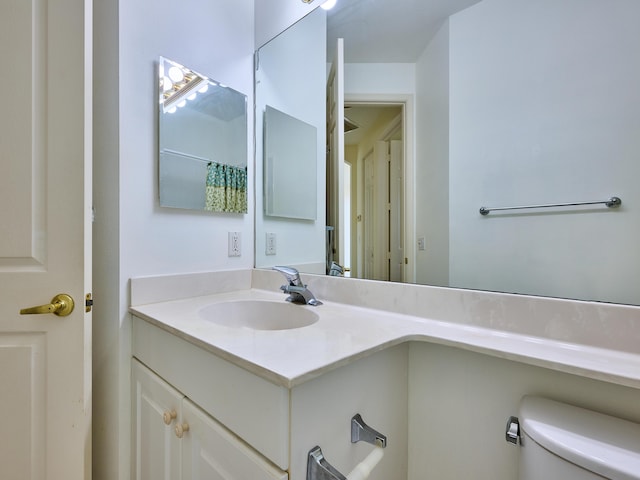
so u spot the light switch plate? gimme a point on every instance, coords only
(270, 246)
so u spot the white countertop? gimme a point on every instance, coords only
(346, 332)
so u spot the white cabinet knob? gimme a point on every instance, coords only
(181, 428)
(169, 416)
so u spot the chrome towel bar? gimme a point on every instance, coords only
(611, 203)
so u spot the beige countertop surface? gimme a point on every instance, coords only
(345, 332)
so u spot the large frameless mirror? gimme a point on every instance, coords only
(501, 103)
(290, 147)
(202, 142)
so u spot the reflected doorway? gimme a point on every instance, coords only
(374, 138)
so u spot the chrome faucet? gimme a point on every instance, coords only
(298, 292)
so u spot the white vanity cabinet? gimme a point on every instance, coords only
(156, 407)
(175, 440)
(211, 452)
(239, 425)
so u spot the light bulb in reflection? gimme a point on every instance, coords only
(176, 74)
(192, 96)
(204, 88)
(172, 110)
(166, 84)
(182, 103)
(328, 5)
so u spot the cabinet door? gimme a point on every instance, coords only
(211, 452)
(156, 408)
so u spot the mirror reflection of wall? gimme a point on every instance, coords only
(290, 77)
(516, 102)
(546, 119)
(290, 165)
(203, 142)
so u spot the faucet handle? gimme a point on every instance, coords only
(292, 275)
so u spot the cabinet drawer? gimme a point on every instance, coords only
(253, 408)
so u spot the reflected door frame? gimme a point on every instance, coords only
(406, 101)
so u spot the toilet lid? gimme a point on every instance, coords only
(599, 443)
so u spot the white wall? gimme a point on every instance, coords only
(551, 115)
(378, 79)
(300, 93)
(459, 403)
(432, 161)
(209, 37)
(133, 236)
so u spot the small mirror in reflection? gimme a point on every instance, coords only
(290, 166)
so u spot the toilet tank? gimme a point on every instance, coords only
(560, 441)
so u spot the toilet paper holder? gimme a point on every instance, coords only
(318, 468)
(360, 431)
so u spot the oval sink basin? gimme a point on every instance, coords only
(259, 315)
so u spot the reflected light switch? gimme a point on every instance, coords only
(270, 248)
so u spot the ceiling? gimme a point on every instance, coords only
(384, 31)
(387, 31)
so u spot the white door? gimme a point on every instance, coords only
(380, 216)
(376, 212)
(383, 212)
(45, 244)
(368, 217)
(396, 212)
(335, 143)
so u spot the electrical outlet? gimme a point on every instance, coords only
(270, 248)
(234, 244)
(421, 243)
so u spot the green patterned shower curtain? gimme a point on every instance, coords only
(226, 188)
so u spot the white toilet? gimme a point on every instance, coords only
(563, 442)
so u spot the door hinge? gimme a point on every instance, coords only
(88, 302)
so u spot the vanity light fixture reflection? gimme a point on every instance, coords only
(328, 5)
(179, 84)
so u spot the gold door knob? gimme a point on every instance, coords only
(61, 305)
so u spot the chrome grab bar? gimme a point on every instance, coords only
(612, 202)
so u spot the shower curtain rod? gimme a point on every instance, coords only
(612, 202)
(186, 155)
